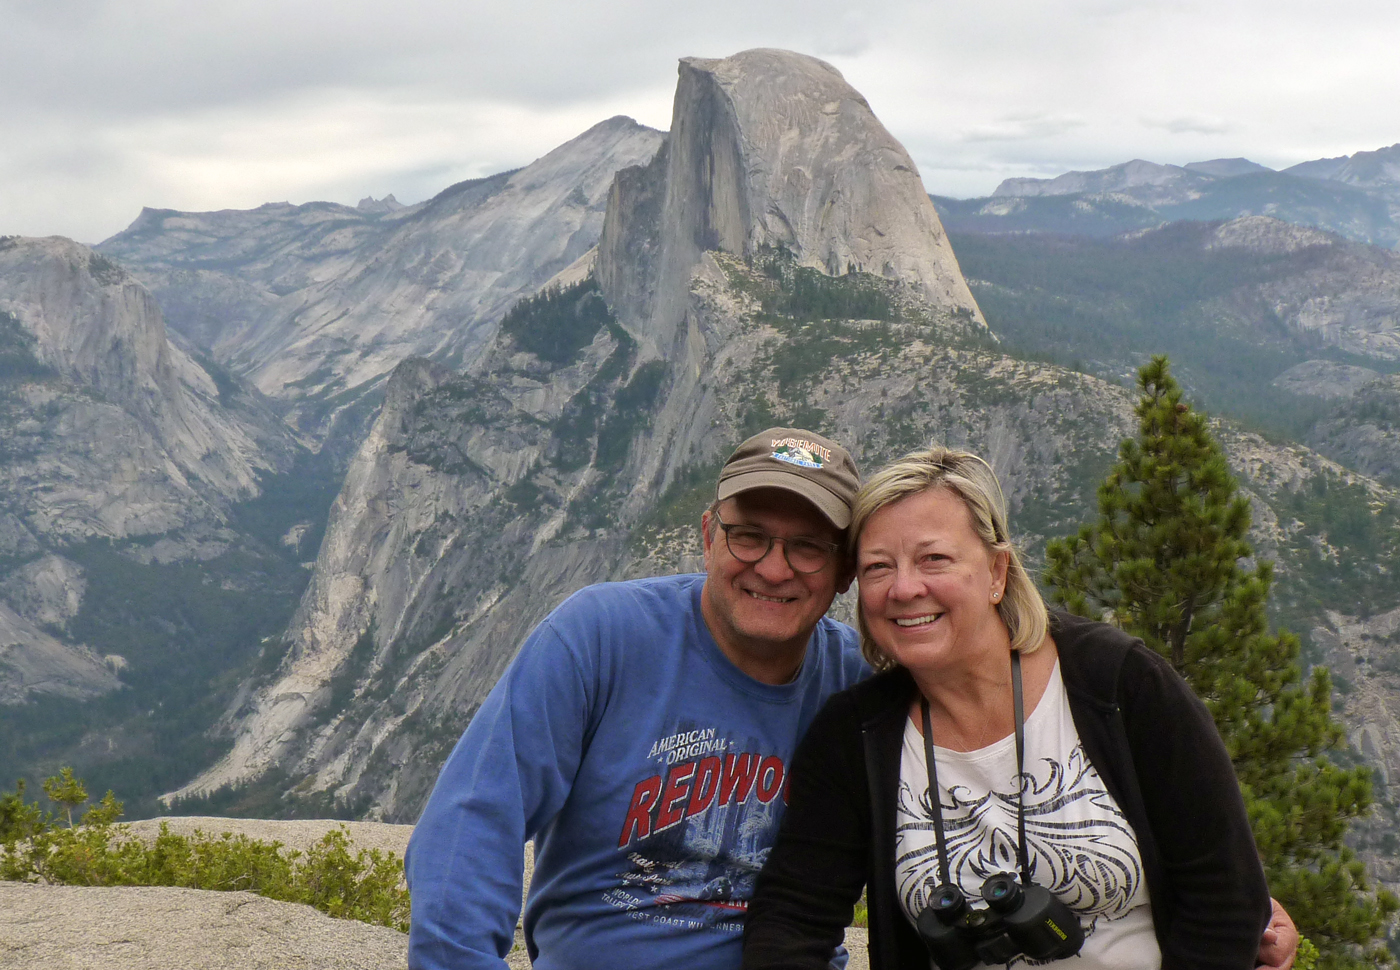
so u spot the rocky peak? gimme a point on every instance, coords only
(1226, 167)
(92, 322)
(1325, 379)
(387, 204)
(1379, 169)
(770, 149)
(150, 439)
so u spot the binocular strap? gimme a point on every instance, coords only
(936, 802)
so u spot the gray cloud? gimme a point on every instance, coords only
(108, 105)
(1192, 125)
(1019, 128)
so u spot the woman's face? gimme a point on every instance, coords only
(928, 584)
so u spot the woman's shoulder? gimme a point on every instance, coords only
(1107, 663)
(1094, 656)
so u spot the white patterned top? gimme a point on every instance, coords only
(1079, 843)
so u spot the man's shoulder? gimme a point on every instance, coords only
(664, 592)
(625, 605)
(839, 632)
(834, 658)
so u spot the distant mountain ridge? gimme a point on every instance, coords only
(1357, 196)
(1378, 169)
(315, 304)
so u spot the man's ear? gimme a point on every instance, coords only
(707, 536)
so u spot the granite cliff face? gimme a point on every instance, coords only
(109, 432)
(316, 304)
(136, 437)
(770, 149)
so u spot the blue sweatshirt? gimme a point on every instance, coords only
(650, 771)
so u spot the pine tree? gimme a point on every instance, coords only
(1167, 561)
(67, 791)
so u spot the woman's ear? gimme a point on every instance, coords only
(1001, 566)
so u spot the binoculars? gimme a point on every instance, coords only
(1018, 920)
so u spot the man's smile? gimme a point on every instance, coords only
(770, 599)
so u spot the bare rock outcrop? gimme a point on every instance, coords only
(151, 928)
(294, 833)
(47, 590)
(159, 928)
(770, 148)
(33, 661)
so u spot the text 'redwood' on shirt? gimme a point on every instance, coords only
(1079, 844)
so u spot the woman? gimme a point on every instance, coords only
(1129, 813)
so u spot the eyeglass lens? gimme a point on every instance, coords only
(750, 545)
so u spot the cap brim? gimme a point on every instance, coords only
(837, 512)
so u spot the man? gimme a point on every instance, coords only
(642, 738)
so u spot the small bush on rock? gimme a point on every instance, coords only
(333, 876)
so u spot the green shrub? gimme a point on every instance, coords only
(333, 876)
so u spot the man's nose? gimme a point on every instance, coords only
(774, 566)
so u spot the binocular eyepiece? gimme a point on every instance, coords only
(1017, 920)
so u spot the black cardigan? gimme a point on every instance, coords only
(1150, 738)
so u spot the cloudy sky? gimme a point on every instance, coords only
(109, 105)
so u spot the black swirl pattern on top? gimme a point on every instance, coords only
(1079, 844)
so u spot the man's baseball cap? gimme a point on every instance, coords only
(810, 465)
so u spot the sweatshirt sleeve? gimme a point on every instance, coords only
(807, 890)
(507, 777)
(1197, 814)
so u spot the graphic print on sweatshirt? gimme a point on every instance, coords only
(697, 829)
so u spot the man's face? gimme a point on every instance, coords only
(762, 614)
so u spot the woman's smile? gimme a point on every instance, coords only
(917, 620)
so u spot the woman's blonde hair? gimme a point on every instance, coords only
(971, 479)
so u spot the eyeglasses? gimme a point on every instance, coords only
(805, 554)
